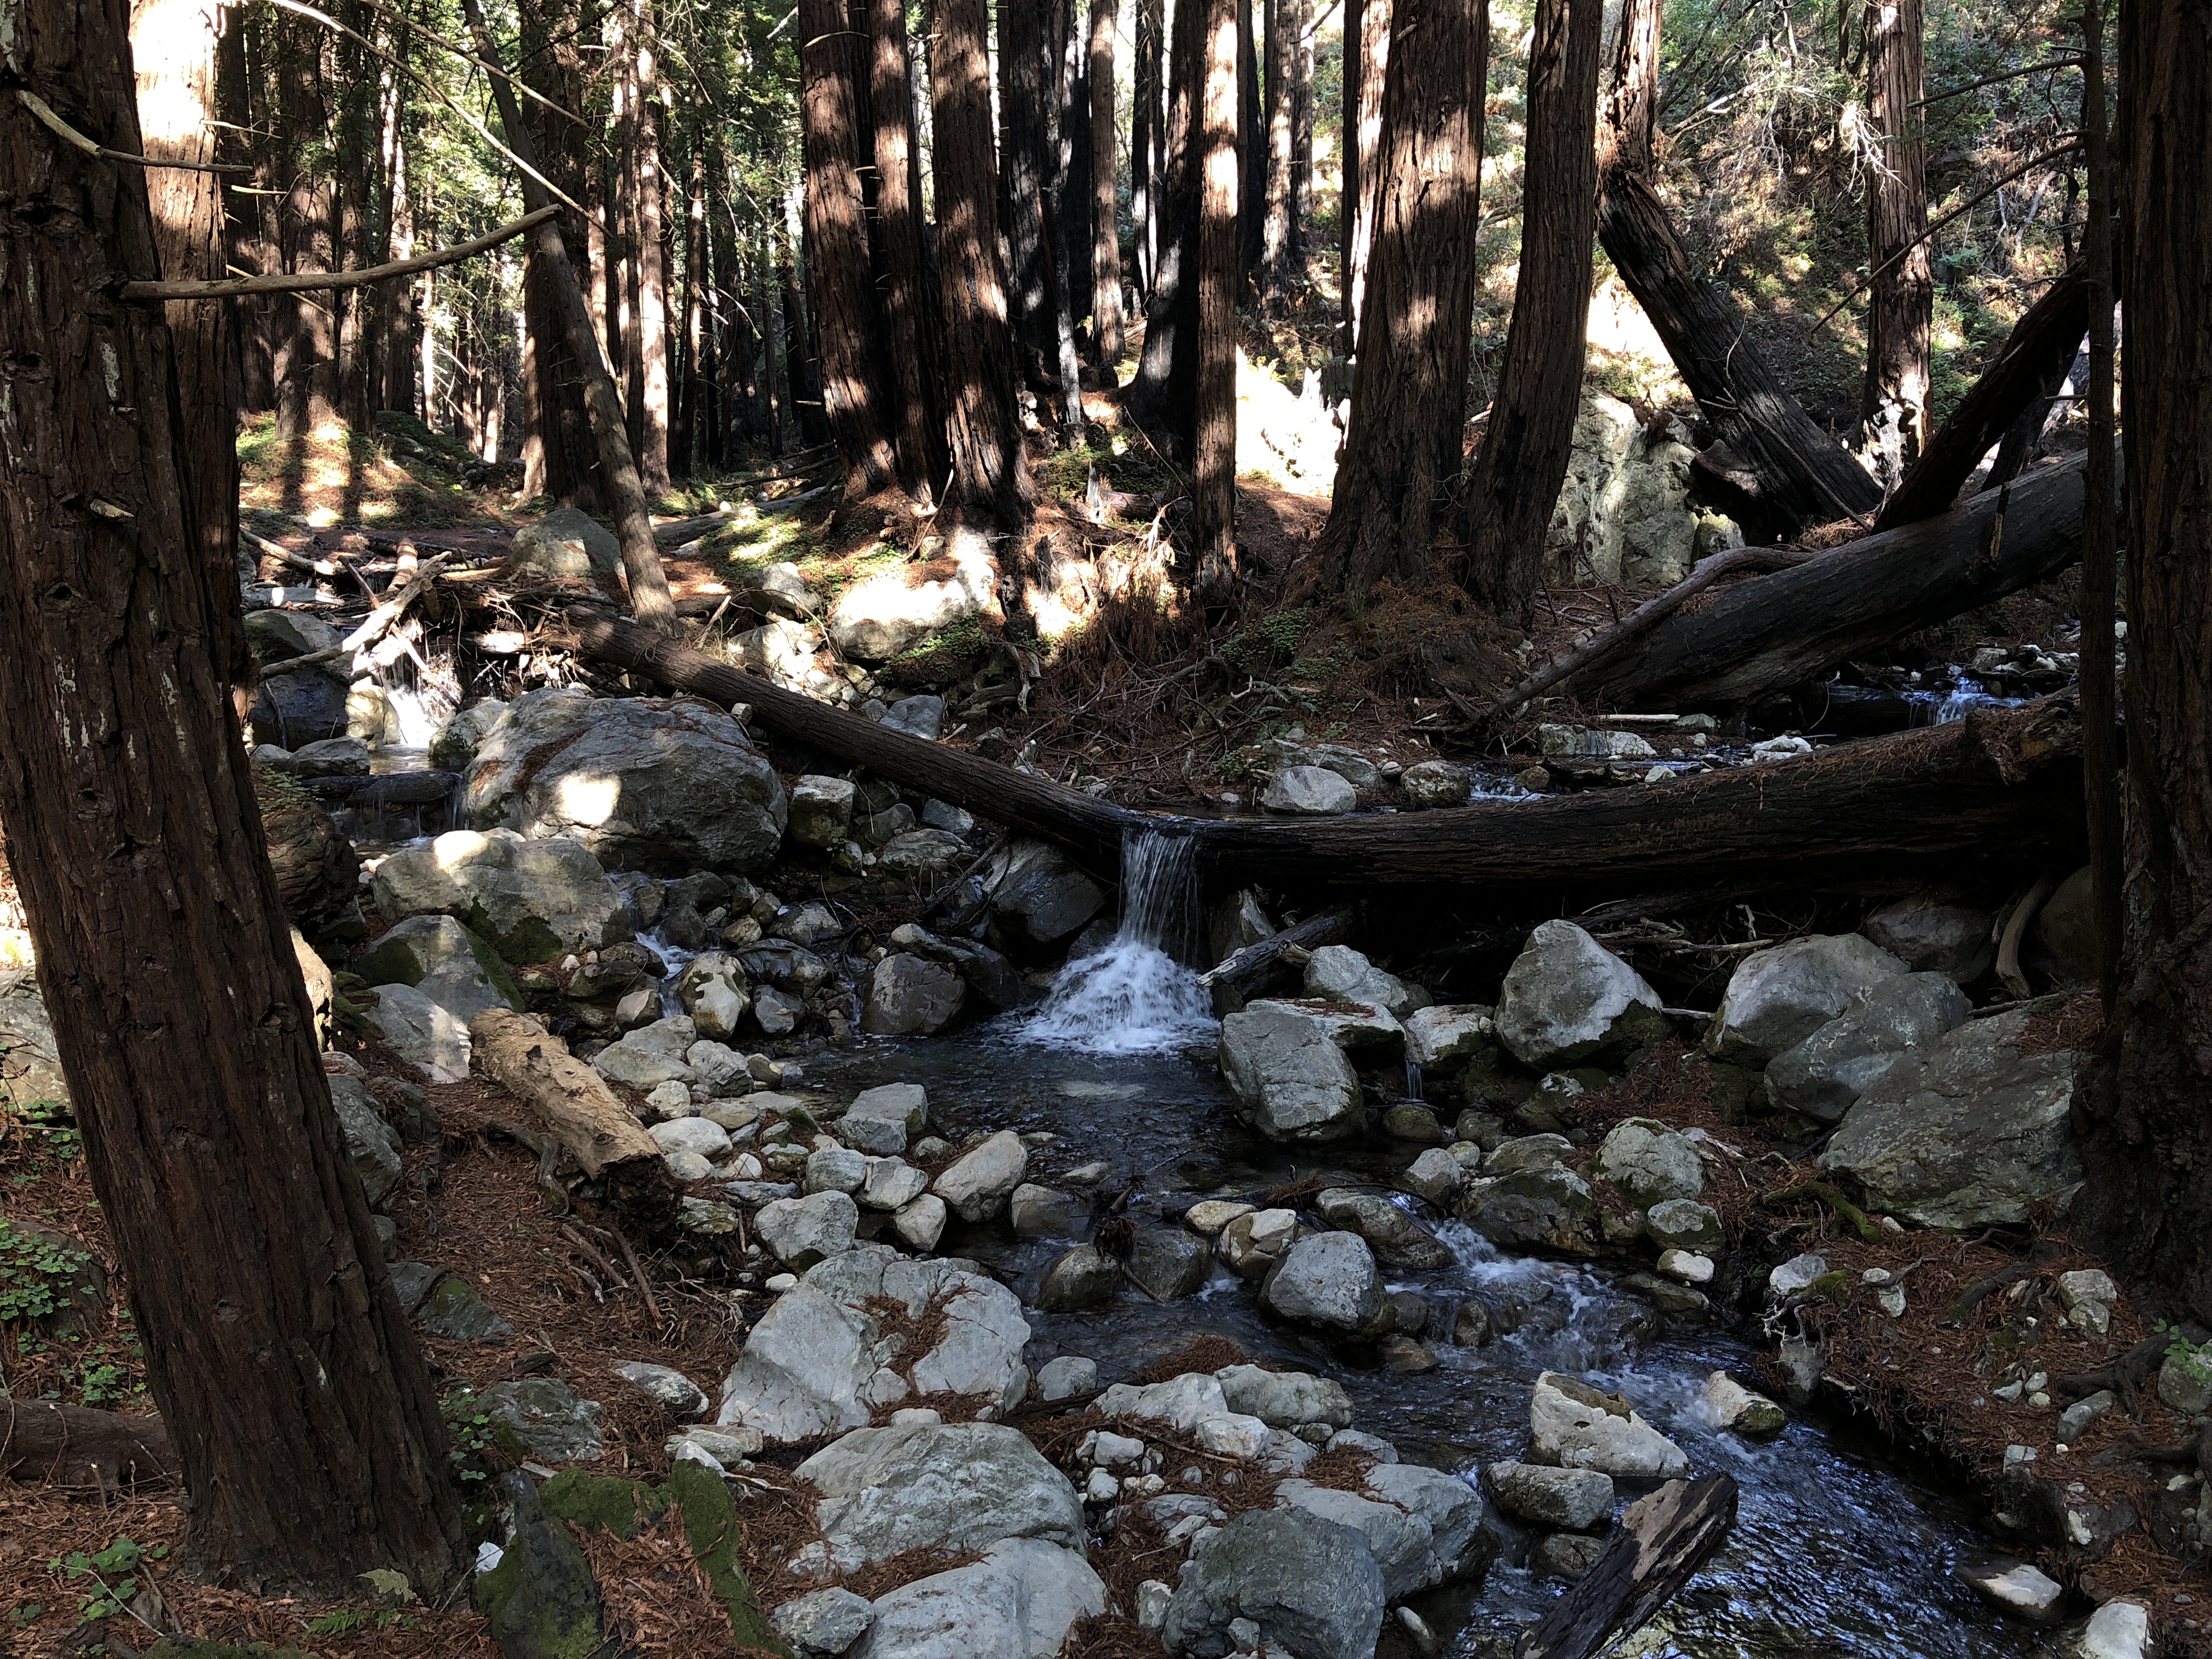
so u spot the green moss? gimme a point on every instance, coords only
(710, 1522)
(181, 1647)
(604, 1502)
(1832, 1286)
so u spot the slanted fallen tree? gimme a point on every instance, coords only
(2001, 782)
(1762, 637)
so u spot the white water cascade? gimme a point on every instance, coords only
(1134, 996)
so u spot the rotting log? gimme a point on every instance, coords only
(79, 1447)
(1761, 637)
(2040, 344)
(1657, 1548)
(583, 1113)
(2001, 781)
(1242, 974)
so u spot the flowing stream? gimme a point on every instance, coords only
(1843, 1544)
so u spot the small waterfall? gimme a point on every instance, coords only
(1134, 995)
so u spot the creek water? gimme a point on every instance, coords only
(1843, 1544)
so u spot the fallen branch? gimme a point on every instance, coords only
(1837, 1204)
(1657, 1548)
(2016, 928)
(74, 1446)
(1239, 977)
(69, 135)
(321, 281)
(388, 611)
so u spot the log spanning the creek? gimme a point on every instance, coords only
(1657, 1548)
(2006, 782)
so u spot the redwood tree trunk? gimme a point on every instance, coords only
(1147, 136)
(1801, 474)
(1507, 506)
(1275, 229)
(1105, 207)
(990, 473)
(1066, 201)
(2146, 1122)
(558, 456)
(1367, 71)
(1213, 508)
(1901, 305)
(303, 1418)
(847, 325)
(1252, 147)
(1162, 396)
(909, 324)
(1401, 453)
(1024, 81)
(305, 365)
(652, 272)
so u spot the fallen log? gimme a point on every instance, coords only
(1657, 1548)
(1244, 975)
(582, 1113)
(2002, 781)
(1762, 637)
(2040, 344)
(76, 1446)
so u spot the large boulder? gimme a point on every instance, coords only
(1291, 1080)
(666, 785)
(1548, 1208)
(712, 989)
(445, 962)
(422, 1032)
(876, 618)
(1283, 1400)
(882, 1120)
(1018, 1602)
(1443, 1039)
(295, 709)
(1650, 1162)
(531, 901)
(802, 1231)
(821, 809)
(1573, 1425)
(30, 1061)
(1549, 1497)
(1567, 1000)
(372, 1147)
(1776, 999)
(1624, 512)
(1312, 792)
(1934, 935)
(1397, 1239)
(980, 1182)
(940, 1486)
(1342, 974)
(652, 1055)
(910, 996)
(1420, 1523)
(1310, 1585)
(1327, 1279)
(1042, 898)
(1822, 1075)
(564, 544)
(455, 744)
(1965, 1131)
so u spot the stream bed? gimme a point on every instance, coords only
(1842, 1544)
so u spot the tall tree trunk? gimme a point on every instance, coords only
(392, 328)
(1213, 490)
(241, 102)
(1025, 80)
(776, 369)
(624, 354)
(649, 596)
(356, 153)
(802, 366)
(910, 323)
(1801, 473)
(560, 459)
(1275, 231)
(1106, 209)
(651, 268)
(849, 331)
(2146, 1126)
(1077, 199)
(692, 383)
(1401, 453)
(1302, 132)
(1061, 196)
(990, 473)
(173, 44)
(1366, 73)
(1147, 133)
(1252, 148)
(1162, 398)
(301, 1413)
(306, 366)
(1901, 306)
(1508, 504)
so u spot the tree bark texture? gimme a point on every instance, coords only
(273, 1346)
(649, 596)
(1367, 76)
(1901, 306)
(2146, 1125)
(1251, 148)
(990, 472)
(651, 255)
(173, 46)
(1105, 200)
(910, 324)
(1762, 637)
(560, 459)
(694, 384)
(1302, 131)
(2001, 785)
(2041, 344)
(838, 270)
(1023, 81)
(1661, 1542)
(1803, 474)
(1401, 462)
(1162, 396)
(306, 363)
(1068, 202)
(1213, 508)
(1275, 252)
(1148, 140)
(1508, 504)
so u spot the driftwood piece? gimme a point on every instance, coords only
(1762, 637)
(1244, 975)
(77, 1446)
(1657, 1548)
(2040, 344)
(575, 1103)
(2004, 781)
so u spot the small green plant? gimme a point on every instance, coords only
(471, 1434)
(2195, 1357)
(37, 1271)
(114, 1570)
(48, 1126)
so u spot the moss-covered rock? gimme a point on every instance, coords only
(541, 1601)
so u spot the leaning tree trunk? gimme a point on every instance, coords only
(1213, 490)
(1163, 396)
(1401, 453)
(302, 1416)
(1367, 71)
(847, 328)
(918, 420)
(1901, 304)
(1105, 209)
(990, 472)
(1799, 474)
(2146, 1126)
(1507, 508)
